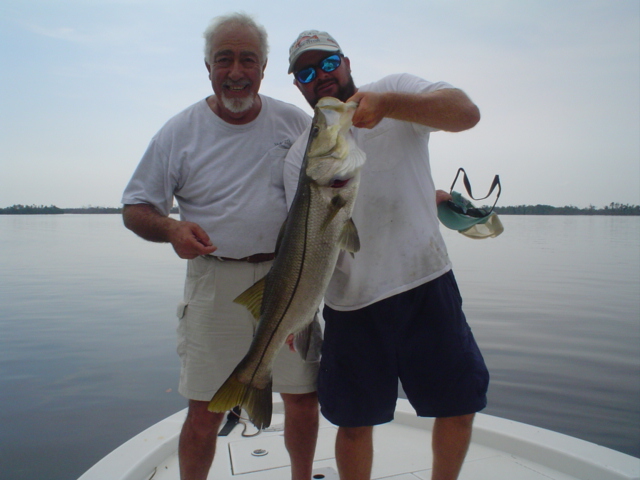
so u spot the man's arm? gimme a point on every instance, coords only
(448, 109)
(188, 239)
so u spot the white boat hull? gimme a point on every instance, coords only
(500, 449)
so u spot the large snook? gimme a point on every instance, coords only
(318, 226)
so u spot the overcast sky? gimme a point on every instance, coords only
(86, 83)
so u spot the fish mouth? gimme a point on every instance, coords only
(339, 182)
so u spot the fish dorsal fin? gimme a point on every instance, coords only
(349, 239)
(252, 298)
(334, 207)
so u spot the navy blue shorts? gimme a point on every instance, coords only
(420, 337)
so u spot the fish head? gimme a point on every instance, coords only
(332, 157)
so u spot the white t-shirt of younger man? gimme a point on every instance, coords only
(395, 211)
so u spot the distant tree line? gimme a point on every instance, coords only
(31, 210)
(52, 209)
(93, 210)
(611, 209)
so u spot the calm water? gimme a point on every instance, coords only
(87, 356)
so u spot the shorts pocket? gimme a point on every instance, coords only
(181, 344)
(180, 311)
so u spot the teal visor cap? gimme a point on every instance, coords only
(461, 215)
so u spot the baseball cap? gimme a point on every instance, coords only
(311, 40)
(461, 215)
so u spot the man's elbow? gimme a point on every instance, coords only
(473, 116)
(468, 118)
(133, 215)
(127, 215)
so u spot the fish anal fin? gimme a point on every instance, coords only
(306, 342)
(349, 239)
(252, 298)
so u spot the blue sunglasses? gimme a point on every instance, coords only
(308, 74)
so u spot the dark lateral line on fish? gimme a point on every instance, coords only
(279, 322)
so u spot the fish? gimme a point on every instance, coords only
(318, 227)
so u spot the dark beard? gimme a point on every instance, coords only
(344, 93)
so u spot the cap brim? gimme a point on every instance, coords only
(491, 228)
(322, 48)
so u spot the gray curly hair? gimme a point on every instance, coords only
(238, 19)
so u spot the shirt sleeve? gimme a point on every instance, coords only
(152, 181)
(405, 82)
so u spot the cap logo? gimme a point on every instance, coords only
(306, 39)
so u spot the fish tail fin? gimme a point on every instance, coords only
(257, 402)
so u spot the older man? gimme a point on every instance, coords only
(222, 159)
(393, 312)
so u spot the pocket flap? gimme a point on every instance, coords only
(181, 309)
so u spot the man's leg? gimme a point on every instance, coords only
(198, 441)
(301, 432)
(450, 442)
(354, 452)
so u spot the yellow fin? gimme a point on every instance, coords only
(349, 239)
(252, 298)
(258, 403)
(230, 394)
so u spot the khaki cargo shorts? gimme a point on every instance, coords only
(214, 333)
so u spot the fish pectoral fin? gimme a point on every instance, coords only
(337, 202)
(349, 239)
(257, 402)
(252, 298)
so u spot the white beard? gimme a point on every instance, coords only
(237, 105)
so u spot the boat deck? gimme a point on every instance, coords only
(500, 449)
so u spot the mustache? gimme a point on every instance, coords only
(330, 81)
(239, 83)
